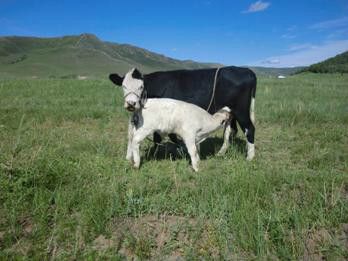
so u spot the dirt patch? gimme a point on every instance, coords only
(345, 192)
(27, 225)
(102, 243)
(2, 236)
(160, 236)
(316, 239)
(343, 237)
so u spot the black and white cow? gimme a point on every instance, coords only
(235, 88)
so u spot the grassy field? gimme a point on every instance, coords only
(67, 192)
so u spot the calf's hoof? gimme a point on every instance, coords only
(195, 168)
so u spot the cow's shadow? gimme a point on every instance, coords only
(208, 148)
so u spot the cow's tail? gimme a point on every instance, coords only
(252, 103)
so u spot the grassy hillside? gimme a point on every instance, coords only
(78, 55)
(337, 64)
(86, 55)
(67, 192)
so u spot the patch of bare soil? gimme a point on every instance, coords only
(343, 236)
(314, 241)
(320, 240)
(22, 244)
(160, 237)
(2, 235)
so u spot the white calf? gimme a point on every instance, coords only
(164, 116)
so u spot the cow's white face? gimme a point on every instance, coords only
(133, 87)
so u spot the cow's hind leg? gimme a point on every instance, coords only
(173, 138)
(234, 128)
(156, 138)
(249, 131)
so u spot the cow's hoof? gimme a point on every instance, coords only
(250, 157)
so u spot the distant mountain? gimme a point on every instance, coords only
(270, 72)
(87, 56)
(337, 64)
(84, 55)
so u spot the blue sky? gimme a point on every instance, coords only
(257, 32)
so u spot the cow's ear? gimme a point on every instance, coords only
(136, 74)
(116, 79)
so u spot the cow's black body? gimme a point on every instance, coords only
(235, 86)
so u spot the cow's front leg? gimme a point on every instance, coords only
(129, 155)
(226, 144)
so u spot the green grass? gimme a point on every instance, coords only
(67, 192)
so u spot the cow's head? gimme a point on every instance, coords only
(133, 88)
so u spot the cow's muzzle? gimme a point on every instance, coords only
(130, 106)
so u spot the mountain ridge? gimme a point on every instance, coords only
(87, 55)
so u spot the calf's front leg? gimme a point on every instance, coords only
(138, 136)
(129, 155)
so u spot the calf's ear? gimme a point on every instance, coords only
(116, 79)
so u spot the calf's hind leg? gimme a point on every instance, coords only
(192, 150)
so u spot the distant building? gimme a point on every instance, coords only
(281, 77)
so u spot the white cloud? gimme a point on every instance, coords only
(257, 7)
(340, 33)
(305, 55)
(289, 33)
(288, 36)
(329, 24)
(297, 47)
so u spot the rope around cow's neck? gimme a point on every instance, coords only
(214, 87)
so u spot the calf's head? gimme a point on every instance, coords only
(223, 115)
(133, 88)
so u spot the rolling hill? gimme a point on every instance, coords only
(337, 64)
(86, 55)
(78, 55)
